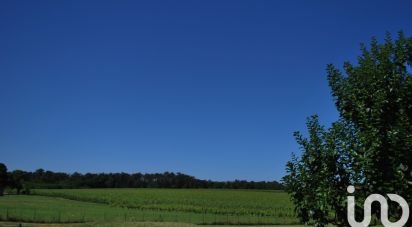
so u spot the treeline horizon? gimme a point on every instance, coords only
(23, 181)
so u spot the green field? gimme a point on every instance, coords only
(196, 206)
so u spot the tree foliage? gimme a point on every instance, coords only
(317, 181)
(369, 146)
(22, 181)
(3, 178)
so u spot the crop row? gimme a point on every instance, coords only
(225, 202)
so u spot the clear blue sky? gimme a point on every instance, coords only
(213, 89)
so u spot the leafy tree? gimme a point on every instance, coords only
(3, 178)
(303, 175)
(317, 181)
(17, 180)
(376, 96)
(370, 145)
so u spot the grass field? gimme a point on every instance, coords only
(196, 206)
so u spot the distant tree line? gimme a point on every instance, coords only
(23, 181)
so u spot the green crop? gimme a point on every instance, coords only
(199, 206)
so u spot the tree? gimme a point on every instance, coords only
(369, 146)
(3, 178)
(317, 181)
(304, 175)
(376, 96)
(17, 180)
